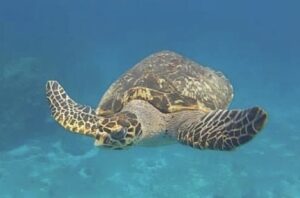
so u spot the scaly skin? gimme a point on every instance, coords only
(115, 131)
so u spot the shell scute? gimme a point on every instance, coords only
(170, 83)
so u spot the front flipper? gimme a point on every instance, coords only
(222, 129)
(72, 116)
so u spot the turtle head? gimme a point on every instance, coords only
(118, 131)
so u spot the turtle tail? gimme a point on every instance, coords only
(223, 129)
(72, 116)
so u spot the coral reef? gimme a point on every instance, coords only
(174, 171)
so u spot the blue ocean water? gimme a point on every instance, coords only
(87, 44)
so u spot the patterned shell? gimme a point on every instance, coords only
(170, 83)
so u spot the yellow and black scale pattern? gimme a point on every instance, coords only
(223, 129)
(121, 129)
(118, 130)
(72, 116)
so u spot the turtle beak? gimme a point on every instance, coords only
(105, 141)
(102, 140)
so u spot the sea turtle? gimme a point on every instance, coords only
(163, 99)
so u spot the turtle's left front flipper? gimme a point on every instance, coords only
(222, 129)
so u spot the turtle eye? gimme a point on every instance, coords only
(119, 134)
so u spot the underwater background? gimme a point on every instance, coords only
(87, 44)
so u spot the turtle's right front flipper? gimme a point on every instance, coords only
(116, 131)
(72, 116)
(222, 129)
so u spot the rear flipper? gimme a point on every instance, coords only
(222, 129)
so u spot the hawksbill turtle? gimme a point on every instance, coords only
(165, 98)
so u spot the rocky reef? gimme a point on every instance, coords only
(22, 103)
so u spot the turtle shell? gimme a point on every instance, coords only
(170, 83)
